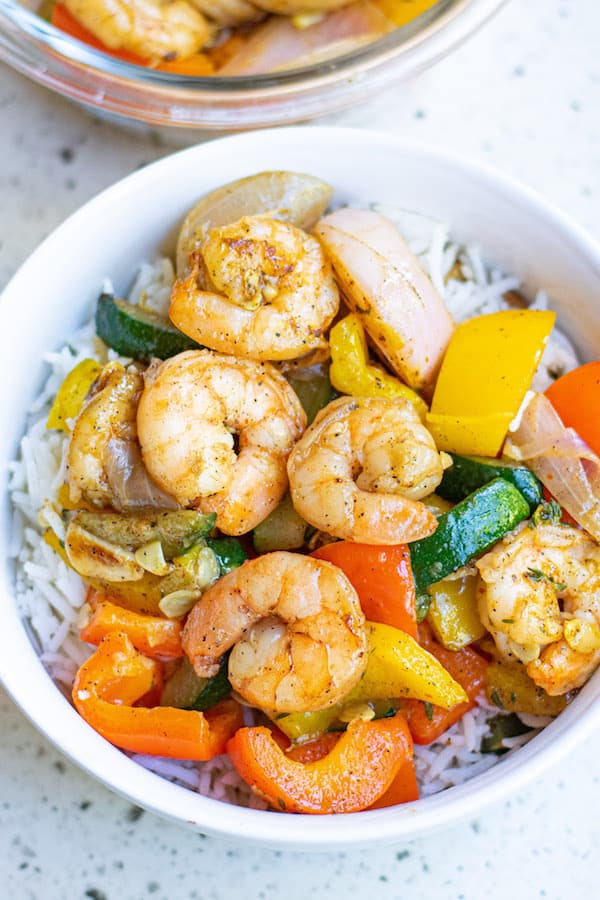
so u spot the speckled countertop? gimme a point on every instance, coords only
(523, 94)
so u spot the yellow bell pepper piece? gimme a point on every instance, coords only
(509, 687)
(397, 667)
(352, 373)
(486, 372)
(72, 393)
(401, 12)
(54, 542)
(453, 612)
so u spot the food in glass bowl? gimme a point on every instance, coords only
(237, 37)
(325, 499)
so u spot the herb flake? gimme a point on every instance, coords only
(538, 575)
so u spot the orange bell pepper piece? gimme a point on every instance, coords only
(382, 578)
(152, 635)
(115, 677)
(467, 667)
(576, 398)
(354, 774)
(403, 789)
(198, 64)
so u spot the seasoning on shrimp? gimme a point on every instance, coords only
(361, 468)
(539, 596)
(153, 29)
(274, 293)
(296, 627)
(192, 408)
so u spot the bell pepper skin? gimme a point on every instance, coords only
(576, 398)
(115, 677)
(453, 613)
(153, 636)
(468, 668)
(352, 373)
(382, 578)
(72, 393)
(358, 770)
(509, 687)
(403, 789)
(398, 666)
(486, 372)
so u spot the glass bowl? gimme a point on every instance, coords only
(54, 59)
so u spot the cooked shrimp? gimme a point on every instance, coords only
(107, 414)
(229, 13)
(293, 7)
(361, 468)
(296, 627)
(156, 30)
(532, 585)
(192, 407)
(276, 292)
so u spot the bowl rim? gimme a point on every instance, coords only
(84, 74)
(62, 726)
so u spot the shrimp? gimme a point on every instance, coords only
(276, 291)
(157, 30)
(532, 585)
(192, 407)
(297, 630)
(361, 468)
(229, 13)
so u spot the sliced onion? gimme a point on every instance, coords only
(561, 460)
(131, 486)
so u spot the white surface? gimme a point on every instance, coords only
(538, 118)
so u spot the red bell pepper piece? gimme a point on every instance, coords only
(428, 722)
(576, 398)
(403, 789)
(382, 578)
(115, 677)
(356, 771)
(154, 636)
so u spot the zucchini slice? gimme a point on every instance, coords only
(467, 473)
(186, 690)
(466, 531)
(283, 529)
(313, 393)
(229, 552)
(138, 333)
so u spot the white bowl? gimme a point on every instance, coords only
(138, 217)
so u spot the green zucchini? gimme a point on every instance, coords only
(313, 393)
(186, 690)
(283, 529)
(467, 473)
(136, 332)
(229, 552)
(177, 531)
(501, 727)
(467, 531)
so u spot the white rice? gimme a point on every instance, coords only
(49, 594)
